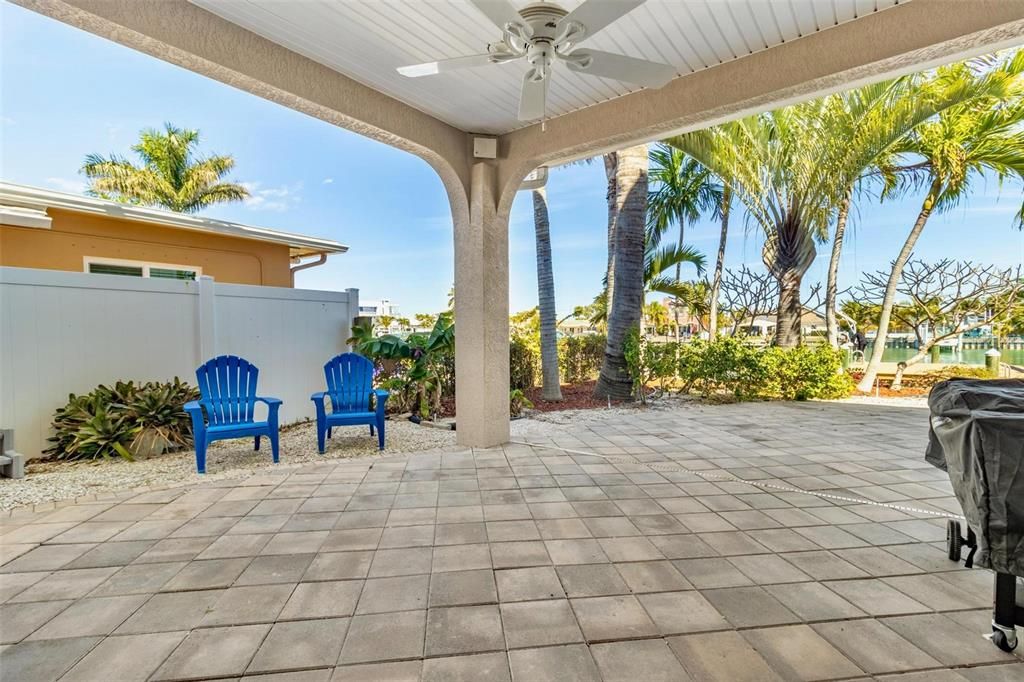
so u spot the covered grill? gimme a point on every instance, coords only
(977, 436)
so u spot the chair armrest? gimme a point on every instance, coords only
(269, 401)
(381, 393)
(318, 397)
(380, 397)
(194, 406)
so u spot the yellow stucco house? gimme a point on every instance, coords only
(40, 228)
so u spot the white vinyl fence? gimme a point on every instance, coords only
(67, 332)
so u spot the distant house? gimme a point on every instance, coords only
(764, 325)
(689, 324)
(575, 326)
(374, 310)
(812, 323)
(49, 230)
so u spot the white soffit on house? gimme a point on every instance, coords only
(24, 206)
(368, 39)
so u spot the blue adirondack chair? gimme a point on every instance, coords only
(228, 388)
(349, 387)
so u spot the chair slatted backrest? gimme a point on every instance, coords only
(228, 386)
(349, 382)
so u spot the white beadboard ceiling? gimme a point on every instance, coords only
(367, 39)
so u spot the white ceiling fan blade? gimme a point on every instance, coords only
(431, 68)
(500, 12)
(622, 68)
(533, 99)
(596, 14)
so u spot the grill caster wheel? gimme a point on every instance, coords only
(954, 541)
(1004, 642)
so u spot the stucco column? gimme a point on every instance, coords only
(481, 315)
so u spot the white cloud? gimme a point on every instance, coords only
(7, 120)
(69, 185)
(277, 199)
(328, 181)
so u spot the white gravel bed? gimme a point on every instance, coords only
(54, 481)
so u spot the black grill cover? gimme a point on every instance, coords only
(977, 436)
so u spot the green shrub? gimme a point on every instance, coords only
(580, 357)
(125, 421)
(518, 402)
(524, 364)
(805, 372)
(728, 364)
(649, 362)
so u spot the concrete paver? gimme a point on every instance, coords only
(729, 542)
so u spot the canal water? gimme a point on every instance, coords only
(971, 356)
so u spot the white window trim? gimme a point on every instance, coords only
(145, 265)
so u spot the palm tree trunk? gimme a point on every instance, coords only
(679, 274)
(716, 282)
(788, 318)
(831, 287)
(551, 386)
(611, 164)
(788, 252)
(626, 306)
(889, 298)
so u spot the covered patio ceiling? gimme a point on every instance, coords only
(336, 61)
(368, 41)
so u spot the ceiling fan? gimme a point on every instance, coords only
(543, 33)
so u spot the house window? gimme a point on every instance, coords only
(128, 268)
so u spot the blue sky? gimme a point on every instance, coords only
(65, 93)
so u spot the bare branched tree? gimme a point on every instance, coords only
(945, 299)
(746, 295)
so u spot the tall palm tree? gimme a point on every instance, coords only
(792, 168)
(983, 136)
(627, 281)
(611, 168)
(170, 175)
(683, 191)
(716, 281)
(551, 385)
(771, 164)
(873, 120)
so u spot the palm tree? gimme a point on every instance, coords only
(551, 388)
(716, 282)
(658, 262)
(794, 169)
(771, 162)
(657, 316)
(627, 282)
(170, 176)
(982, 136)
(683, 191)
(872, 121)
(611, 167)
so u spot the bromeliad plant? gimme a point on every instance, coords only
(125, 420)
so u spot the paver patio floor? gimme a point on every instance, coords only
(531, 562)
